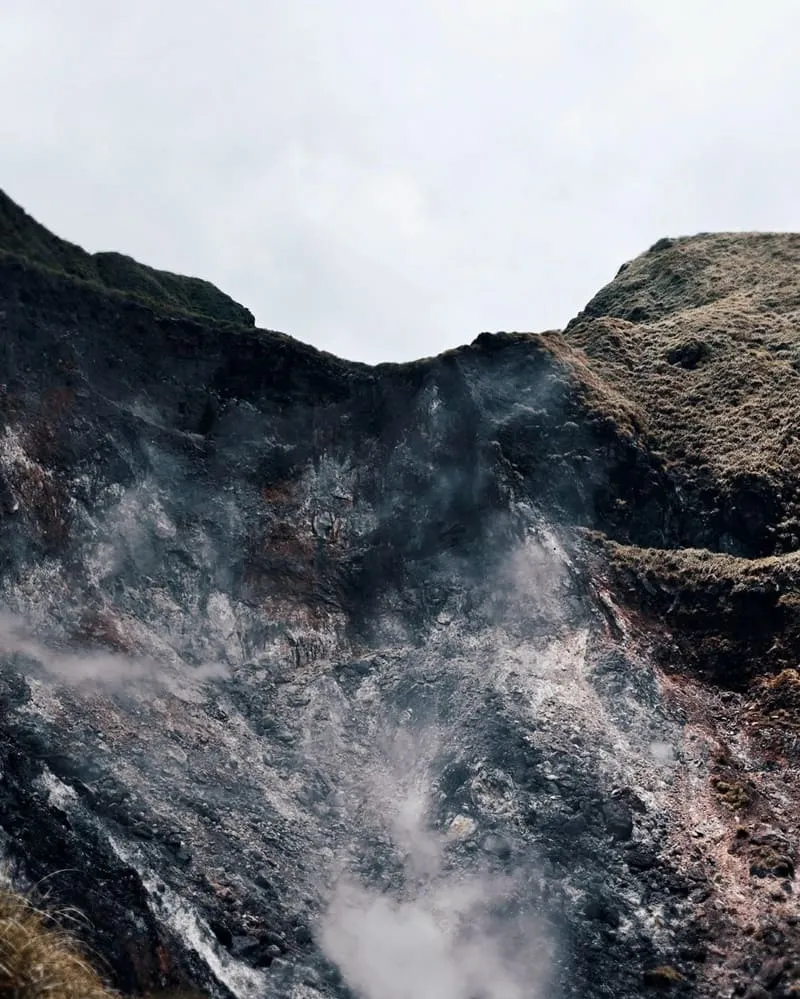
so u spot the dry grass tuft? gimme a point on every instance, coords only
(40, 961)
(664, 976)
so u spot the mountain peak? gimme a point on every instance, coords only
(757, 270)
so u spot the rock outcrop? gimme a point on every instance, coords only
(469, 677)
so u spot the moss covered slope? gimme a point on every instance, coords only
(23, 237)
(701, 338)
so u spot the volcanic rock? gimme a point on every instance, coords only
(322, 679)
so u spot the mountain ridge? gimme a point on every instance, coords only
(525, 612)
(22, 237)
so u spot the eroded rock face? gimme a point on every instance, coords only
(311, 686)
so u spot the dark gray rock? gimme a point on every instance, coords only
(295, 648)
(619, 818)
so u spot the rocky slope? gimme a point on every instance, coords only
(469, 678)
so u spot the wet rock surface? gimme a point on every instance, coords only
(314, 683)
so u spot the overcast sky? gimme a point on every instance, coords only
(385, 180)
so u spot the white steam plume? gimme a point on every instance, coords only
(449, 932)
(101, 669)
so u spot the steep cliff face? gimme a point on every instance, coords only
(470, 677)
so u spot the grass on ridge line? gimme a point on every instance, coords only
(22, 237)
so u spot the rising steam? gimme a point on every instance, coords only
(99, 669)
(454, 928)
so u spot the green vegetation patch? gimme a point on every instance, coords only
(23, 237)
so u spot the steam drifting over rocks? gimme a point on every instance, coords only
(320, 679)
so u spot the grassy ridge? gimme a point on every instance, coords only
(22, 236)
